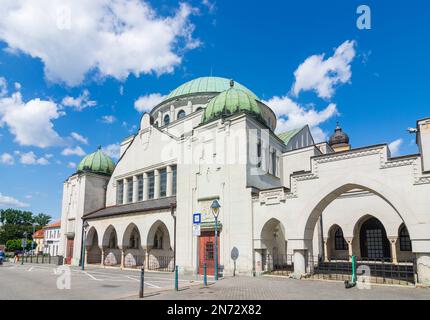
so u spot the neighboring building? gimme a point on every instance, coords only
(52, 238)
(38, 238)
(285, 200)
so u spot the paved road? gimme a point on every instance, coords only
(274, 288)
(33, 281)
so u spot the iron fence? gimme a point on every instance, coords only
(377, 271)
(42, 259)
(161, 263)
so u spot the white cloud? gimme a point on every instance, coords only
(79, 138)
(7, 201)
(147, 102)
(30, 122)
(77, 151)
(108, 119)
(3, 87)
(7, 158)
(291, 116)
(30, 158)
(321, 75)
(210, 5)
(112, 150)
(71, 165)
(80, 103)
(109, 37)
(395, 147)
(17, 86)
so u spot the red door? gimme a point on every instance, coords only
(207, 252)
(69, 252)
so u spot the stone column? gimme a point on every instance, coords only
(122, 257)
(258, 262)
(393, 242)
(299, 263)
(135, 189)
(169, 184)
(124, 191)
(350, 252)
(326, 250)
(102, 262)
(156, 184)
(147, 259)
(145, 186)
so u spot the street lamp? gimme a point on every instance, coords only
(215, 211)
(23, 245)
(84, 227)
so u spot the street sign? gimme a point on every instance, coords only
(24, 243)
(196, 230)
(197, 218)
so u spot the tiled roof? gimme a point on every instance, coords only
(149, 205)
(53, 225)
(287, 136)
(38, 234)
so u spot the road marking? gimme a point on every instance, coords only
(152, 285)
(91, 276)
(132, 278)
(29, 270)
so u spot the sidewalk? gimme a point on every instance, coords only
(271, 288)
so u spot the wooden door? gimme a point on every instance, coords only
(207, 252)
(69, 252)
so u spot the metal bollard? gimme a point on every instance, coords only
(205, 275)
(176, 279)
(142, 282)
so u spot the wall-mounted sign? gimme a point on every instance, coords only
(197, 218)
(196, 230)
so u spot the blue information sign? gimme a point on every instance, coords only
(197, 218)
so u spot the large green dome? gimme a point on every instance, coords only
(206, 84)
(97, 162)
(231, 101)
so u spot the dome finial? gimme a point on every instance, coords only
(231, 83)
(99, 147)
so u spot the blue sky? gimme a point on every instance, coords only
(71, 75)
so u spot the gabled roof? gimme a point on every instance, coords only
(288, 135)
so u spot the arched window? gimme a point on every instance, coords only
(339, 240)
(405, 240)
(181, 114)
(166, 119)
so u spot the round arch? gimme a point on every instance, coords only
(94, 253)
(110, 238)
(312, 211)
(273, 237)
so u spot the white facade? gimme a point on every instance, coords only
(277, 198)
(52, 239)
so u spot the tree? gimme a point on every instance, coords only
(41, 219)
(16, 222)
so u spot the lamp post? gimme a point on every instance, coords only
(23, 245)
(84, 227)
(215, 211)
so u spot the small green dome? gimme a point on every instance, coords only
(97, 162)
(231, 101)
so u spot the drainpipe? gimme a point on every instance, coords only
(172, 212)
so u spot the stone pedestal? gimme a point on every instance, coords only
(299, 264)
(423, 268)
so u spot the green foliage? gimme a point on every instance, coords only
(15, 245)
(16, 222)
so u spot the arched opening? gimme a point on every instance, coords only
(160, 252)
(112, 254)
(369, 241)
(404, 245)
(166, 119)
(374, 243)
(337, 247)
(134, 255)
(94, 253)
(273, 248)
(181, 114)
